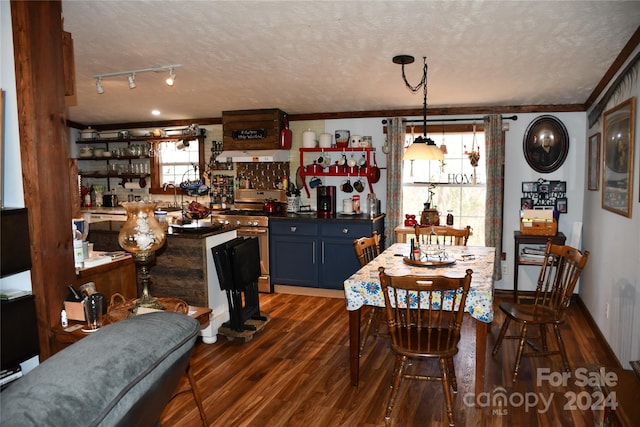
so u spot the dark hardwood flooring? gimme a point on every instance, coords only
(295, 372)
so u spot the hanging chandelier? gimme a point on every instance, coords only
(423, 148)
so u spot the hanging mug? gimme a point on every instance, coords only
(346, 186)
(359, 185)
(315, 182)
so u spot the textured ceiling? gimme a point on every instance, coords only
(335, 56)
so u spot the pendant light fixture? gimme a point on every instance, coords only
(423, 148)
(131, 75)
(99, 87)
(171, 79)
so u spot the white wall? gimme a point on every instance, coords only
(12, 190)
(613, 275)
(518, 170)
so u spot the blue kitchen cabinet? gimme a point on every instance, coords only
(292, 253)
(316, 252)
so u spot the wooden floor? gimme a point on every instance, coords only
(295, 372)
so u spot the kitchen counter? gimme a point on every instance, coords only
(317, 252)
(183, 268)
(313, 216)
(98, 230)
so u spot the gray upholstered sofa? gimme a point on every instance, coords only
(121, 375)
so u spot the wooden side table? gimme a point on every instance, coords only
(63, 338)
(522, 239)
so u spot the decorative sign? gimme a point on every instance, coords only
(246, 134)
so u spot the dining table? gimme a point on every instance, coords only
(363, 288)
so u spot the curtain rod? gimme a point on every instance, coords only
(514, 117)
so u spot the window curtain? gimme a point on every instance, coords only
(494, 141)
(395, 141)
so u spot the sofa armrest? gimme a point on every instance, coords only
(123, 374)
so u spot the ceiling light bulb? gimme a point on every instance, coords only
(172, 78)
(132, 81)
(99, 87)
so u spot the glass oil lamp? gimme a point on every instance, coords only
(142, 235)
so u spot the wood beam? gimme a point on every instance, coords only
(44, 148)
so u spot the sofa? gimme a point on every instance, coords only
(123, 374)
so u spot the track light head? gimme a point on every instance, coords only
(172, 78)
(99, 87)
(132, 81)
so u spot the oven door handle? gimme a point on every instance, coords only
(252, 231)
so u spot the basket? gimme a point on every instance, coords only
(121, 308)
(539, 228)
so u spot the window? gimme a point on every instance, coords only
(173, 162)
(450, 181)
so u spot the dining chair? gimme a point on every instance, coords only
(558, 276)
(367, 248)
(449, 236)
(424, 315)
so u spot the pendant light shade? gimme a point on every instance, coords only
(422, 148)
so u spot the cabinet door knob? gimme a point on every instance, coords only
(345, 231)
(293, 229)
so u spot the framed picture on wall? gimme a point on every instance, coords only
(593, 157)
(546, 144)
(617, 165)
(530, 187)
(526, 203)
(561, 205)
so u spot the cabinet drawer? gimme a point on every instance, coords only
(293, 228)
(345, 229)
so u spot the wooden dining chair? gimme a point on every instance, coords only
(367, 248)
(422, 328)
(558, 276)
(449, 236)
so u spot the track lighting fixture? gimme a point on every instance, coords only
(132, 75)
(172, 78)
(99, 87)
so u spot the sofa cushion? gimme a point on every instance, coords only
(122, 374)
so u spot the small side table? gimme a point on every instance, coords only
(62, 338)
(522, 239)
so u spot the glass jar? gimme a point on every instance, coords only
(449, 217)
(356, 204)
(161, 216)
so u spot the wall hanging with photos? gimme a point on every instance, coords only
(543, 194)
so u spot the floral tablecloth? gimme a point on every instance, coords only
(363, 288)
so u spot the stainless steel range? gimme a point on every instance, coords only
(251, 219)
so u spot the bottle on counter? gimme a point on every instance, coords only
(356, 204)
(63, 318)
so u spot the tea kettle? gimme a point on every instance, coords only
(269, 206)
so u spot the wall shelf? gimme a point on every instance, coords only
(359, 172)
